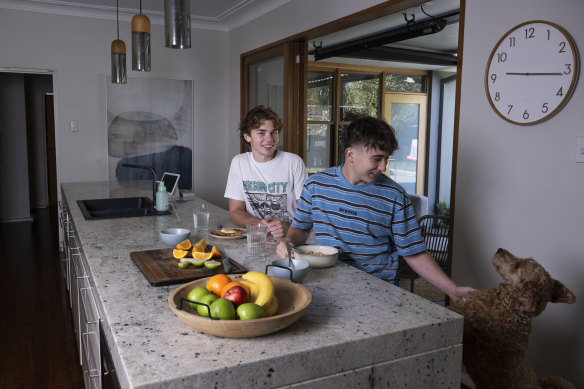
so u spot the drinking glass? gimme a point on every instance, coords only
(256, 239)
(201, 219)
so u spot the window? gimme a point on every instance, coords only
(337, 94)
(335, 97)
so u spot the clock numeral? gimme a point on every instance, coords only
(568, 68)
(501, 57)
(493, 77)
(562, 47)
(497, 96)
(512, 41)
(529, 33)
(544, 107)
(510, 108)
(560, 92)
(548, 34)
(525, 115)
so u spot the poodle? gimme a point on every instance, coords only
(497, 324)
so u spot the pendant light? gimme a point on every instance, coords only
(141, 42)
(177, 24)
(118, 55)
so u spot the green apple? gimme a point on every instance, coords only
(205, 299)
(249, 311)
(196, 293)
(223, 309)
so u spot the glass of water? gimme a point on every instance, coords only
(201, 219)
(256, 239)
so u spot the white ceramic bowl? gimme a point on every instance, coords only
(173, 236)
(329, 258)
(299, 271)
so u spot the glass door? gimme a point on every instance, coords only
(275, 77)
(407, 115)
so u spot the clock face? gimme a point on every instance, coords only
(532, 72)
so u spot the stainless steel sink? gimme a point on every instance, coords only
(117, 207)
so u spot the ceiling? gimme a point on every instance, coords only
(225, 15)
(207, 14)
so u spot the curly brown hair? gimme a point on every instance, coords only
(254, 119)
(371, 132)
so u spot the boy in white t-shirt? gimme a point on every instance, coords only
(264, 185)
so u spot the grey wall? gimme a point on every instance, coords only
(519, 187)
(77, 54)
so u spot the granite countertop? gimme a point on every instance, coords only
(355, 320)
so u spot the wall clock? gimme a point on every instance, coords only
(532, 72)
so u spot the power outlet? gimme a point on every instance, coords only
(580, 149)
(74, 126)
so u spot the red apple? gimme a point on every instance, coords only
(237, 295)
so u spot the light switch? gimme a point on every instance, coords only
(580, 149)
(74, 126)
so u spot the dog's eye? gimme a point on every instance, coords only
(516, 265)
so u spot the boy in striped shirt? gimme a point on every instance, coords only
(365, 214)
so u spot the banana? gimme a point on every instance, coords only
(266, 287)
(254, 289)
(272, 307)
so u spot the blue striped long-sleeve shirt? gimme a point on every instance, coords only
(371, 224)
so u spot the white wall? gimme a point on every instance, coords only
(77, 49)
(518, 187)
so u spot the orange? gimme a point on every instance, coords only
(179, 253)
(234, 283)
(199, 255)
(200, 246)
(184, 245)
(217, 282)
(215, 252)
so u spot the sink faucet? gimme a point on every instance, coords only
(153, 182)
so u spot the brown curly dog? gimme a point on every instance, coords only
(497, 324)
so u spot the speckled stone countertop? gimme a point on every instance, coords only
(358, 331)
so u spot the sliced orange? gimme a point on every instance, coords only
(179, 253)
(200, 246)
(215, 252)
(217, 282)
(199, 255)
(184, 245)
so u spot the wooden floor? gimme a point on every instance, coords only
(37, 341)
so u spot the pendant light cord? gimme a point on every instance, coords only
(118, 18)
(140, 7)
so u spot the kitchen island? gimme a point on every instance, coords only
(358, 331)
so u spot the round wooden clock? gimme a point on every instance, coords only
(532, 72)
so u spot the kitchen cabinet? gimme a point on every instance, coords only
(86, 317)
(358, 331)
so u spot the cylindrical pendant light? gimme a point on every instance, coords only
(118, 55)
(141, 42)
(177, 24)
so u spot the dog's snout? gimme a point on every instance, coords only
(500, 251)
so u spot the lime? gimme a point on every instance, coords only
(206, 299)
(196, 293)
(223, 309)
(212, 264)
(197, 262)
(250, 311)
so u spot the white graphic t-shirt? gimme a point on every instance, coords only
(269, 189)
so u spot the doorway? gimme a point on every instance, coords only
(27, 145)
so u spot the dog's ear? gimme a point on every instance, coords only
(561, 294)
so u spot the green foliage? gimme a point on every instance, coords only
(442, 209)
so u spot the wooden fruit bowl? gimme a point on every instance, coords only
(293, 299)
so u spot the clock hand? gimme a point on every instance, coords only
(533, 74)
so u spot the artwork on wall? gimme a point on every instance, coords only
(150, 122)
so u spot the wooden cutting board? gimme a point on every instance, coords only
(160, 268)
